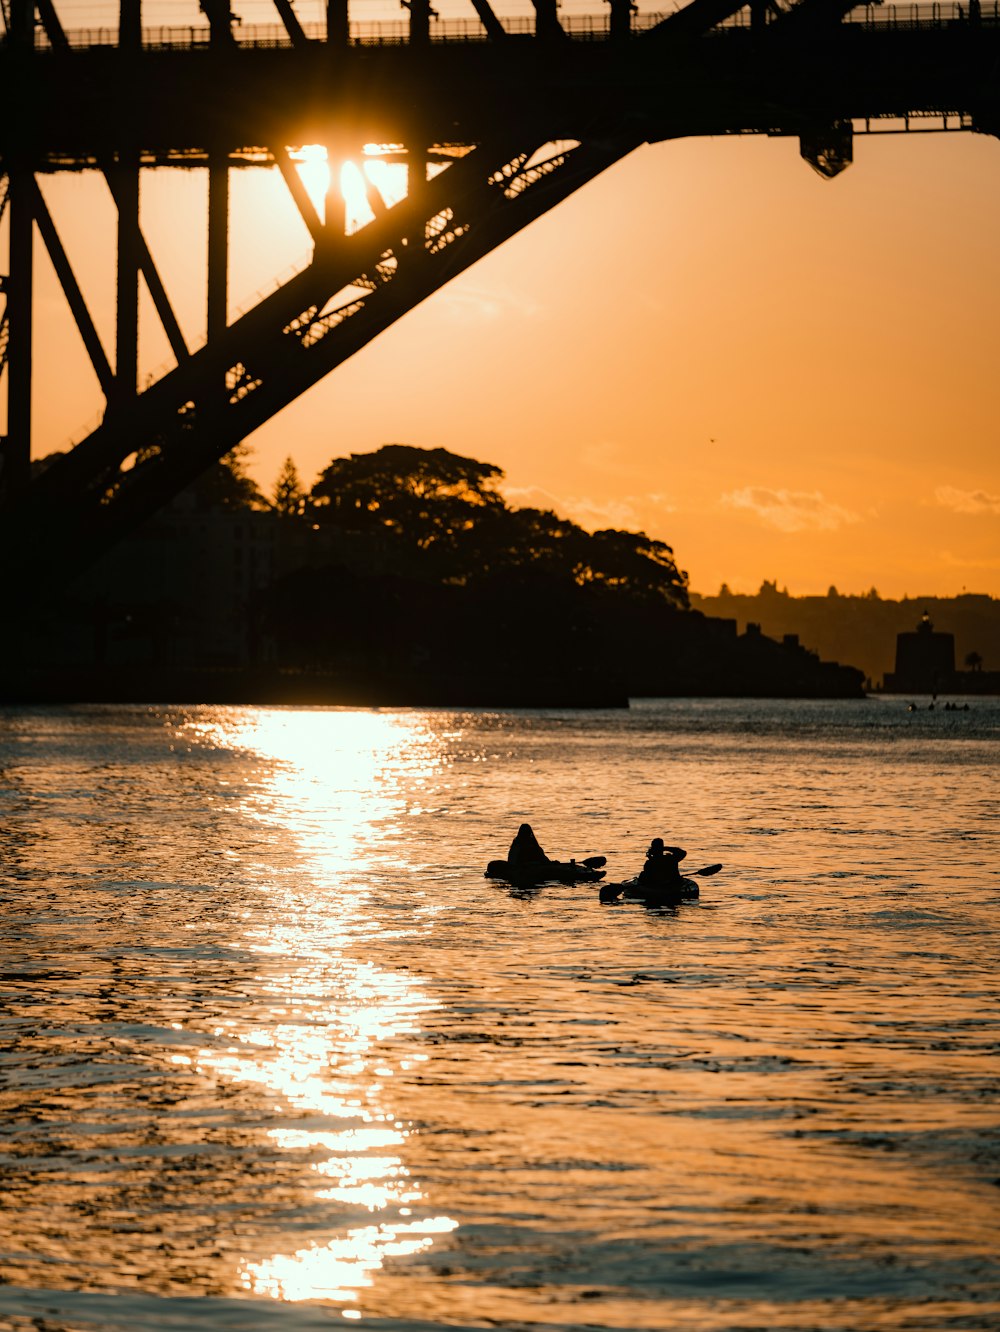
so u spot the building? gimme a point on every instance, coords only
(925, 664)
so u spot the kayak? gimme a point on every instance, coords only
(632, 891)
(558, 871)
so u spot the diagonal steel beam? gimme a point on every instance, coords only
(314, 224)
(813, 13)
(495, 30)
(291, 21)
(72, 292)
(373, 194)
(694, 19)
(53, 28)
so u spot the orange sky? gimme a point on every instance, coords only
(785, 377)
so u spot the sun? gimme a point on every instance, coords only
(354, 178)
(312, 163)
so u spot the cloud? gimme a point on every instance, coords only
(791, 510)
(629, 511)
(964, 562)
(473, 304)
(967, 501)
(530, 497)
(595, 515)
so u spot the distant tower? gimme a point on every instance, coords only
(925, 660)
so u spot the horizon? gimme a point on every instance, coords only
(841, 594)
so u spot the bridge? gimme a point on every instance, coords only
(494, 123)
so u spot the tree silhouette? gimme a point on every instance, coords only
(226, 484)
(445, 509)
(423, 497)
(422, 578)
(289, 497)
(974, 661)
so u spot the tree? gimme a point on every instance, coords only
(226, 484)
(424, 497)
(637, 565)
(974, 661)
(444, 514)
(289, 497)
(769, 588)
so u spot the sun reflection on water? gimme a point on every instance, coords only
(333, 1028)
(341, 1269)
(330, 780)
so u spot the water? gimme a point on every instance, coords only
(275, 1055)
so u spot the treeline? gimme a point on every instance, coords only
(862, 628)
(417, 570)
(420, 566)
(401, 576)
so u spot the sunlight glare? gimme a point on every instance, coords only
(354, 192)
(312, 162)
(331, 1029)
(330, 775)
(340, 1269)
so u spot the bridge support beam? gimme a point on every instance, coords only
(420, 21)
(220, 21)
(621, 19)
(126, 192)
(130, 25)
(547, 23)
(15, 462)
(334, 205)
(16, 471)
(218, 243)
(338, 28)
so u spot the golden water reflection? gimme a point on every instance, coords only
(329, 783)
(335, 1028)
(342, 1268)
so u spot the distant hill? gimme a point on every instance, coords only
(861, 630)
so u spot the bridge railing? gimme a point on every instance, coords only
(579, 27)
(919, 14)
(922, 15)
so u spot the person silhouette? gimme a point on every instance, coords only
(525, 850)
(661, 867)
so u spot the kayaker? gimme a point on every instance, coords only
(661, 867)
(525, 850)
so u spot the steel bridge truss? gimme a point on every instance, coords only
(519, 158)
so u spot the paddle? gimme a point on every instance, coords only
(610, 892)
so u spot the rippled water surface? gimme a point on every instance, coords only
(276, 1055)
